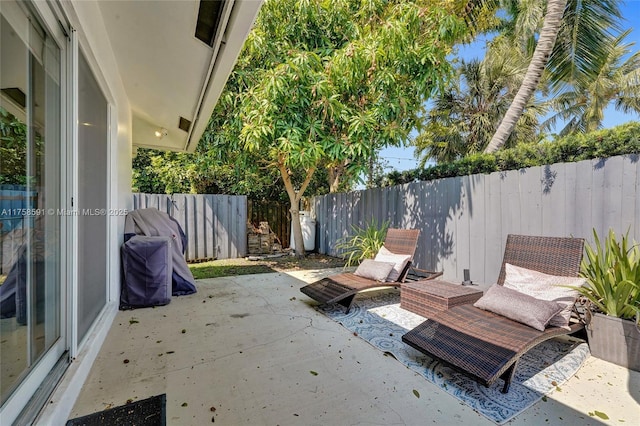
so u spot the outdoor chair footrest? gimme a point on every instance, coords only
(324, 290)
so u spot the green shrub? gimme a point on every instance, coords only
(364, 243)
(620, 140)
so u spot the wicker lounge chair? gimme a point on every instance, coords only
(342, 288)
(487, 346)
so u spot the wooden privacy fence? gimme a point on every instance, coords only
(215, 225)
(464, 221)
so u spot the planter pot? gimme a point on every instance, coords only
(615, 340)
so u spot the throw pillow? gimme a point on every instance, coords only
(399, 260)
(518, 306)
(546, 287)
(374, 270)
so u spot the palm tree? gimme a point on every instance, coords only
(544, 47)
(585, 38)
(616, 80)
(464, 117)
(582, 38)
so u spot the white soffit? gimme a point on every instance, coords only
(167, 72)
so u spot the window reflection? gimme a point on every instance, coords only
(29, 188)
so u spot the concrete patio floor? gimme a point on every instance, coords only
(242, 351)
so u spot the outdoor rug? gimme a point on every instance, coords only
(378, 319)
(147, 412)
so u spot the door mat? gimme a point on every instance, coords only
(147, 412)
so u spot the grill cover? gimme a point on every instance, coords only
(147, 270)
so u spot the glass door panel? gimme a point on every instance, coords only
(30, 311)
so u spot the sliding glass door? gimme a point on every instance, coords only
(30, 200)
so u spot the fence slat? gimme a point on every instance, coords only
(613, 183)
(530, 201)
(476, 199)
(598, 197)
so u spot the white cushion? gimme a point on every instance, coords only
(399, 260)
(374, 270)
(545, 287)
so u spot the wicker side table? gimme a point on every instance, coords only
(426, 298)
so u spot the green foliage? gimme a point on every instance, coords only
(145, 177)
(324, 84)
(620, 140)
(584, 42)
(13, 150)
(590, 67)
(613, 80)
(466, 114)
(364, 243)
(317, 90)
(612, 270)
(159, 172)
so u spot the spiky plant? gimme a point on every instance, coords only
(612, 270)
(364, 242)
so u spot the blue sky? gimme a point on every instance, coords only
(403, 158)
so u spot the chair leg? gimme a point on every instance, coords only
(507, 376)
(347, 302)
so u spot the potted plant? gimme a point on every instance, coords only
(612, 271)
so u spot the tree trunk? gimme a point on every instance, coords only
(298, 239)
(294, 199)
(335, 172)
(548, 35)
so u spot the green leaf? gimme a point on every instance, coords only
(600, 414)
(313, 372)
(364, 243)
(612, 270)
(416, 393)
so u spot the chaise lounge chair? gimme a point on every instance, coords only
(342, 288)
(485, 345)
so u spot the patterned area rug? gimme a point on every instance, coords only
(378, 319)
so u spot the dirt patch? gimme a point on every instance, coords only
(310, 261)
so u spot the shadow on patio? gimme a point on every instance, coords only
(251, 350)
